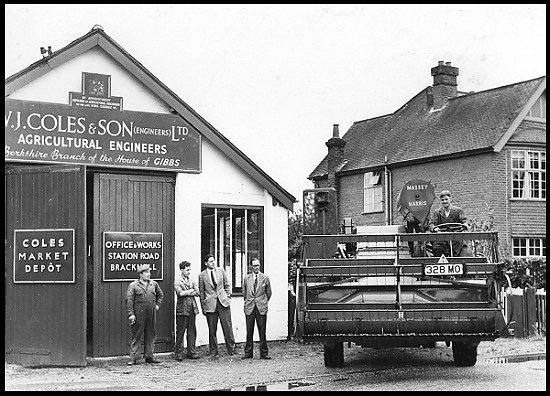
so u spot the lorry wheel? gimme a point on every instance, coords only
(334, 354)
(431, 344)
(464, 354)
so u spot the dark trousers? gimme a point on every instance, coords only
(261, 322)
(144, 329)
(186, 323)
(224, 315)
(459, 249)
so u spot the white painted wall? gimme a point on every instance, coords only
(54, 86)
(221, 182)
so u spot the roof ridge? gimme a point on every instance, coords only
(374, 118)
(472, 93)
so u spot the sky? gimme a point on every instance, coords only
(275, 78)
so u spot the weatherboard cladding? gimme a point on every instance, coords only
(97, 37)
(467, 123)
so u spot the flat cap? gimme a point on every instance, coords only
(143, 267)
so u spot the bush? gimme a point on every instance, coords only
(526, 272)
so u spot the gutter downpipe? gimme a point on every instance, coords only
(387, 187)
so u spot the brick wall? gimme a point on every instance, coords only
(351, 201)
(480, 184)
(471, 180)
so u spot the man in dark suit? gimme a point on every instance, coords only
(449, 213)
(215, 298)
(257, 292)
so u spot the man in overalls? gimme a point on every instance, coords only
(143, 299)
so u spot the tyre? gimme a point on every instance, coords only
(334, 354)
(431, 344)
(464, 354)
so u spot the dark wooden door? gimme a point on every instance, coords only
(45, 311)
(130, 203)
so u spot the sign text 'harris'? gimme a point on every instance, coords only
(98, 135)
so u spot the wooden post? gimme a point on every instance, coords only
(530, 311)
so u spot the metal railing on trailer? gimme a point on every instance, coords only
(392, 296)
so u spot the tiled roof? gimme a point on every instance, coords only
(469, 122)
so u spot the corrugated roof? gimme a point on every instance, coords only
(471, 122)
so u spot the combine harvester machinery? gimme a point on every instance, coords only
(380, 286)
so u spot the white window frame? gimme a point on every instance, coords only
(372, 193)
(528, 247)
(528, 175)
(219, 248)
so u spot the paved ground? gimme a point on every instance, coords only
(292, 362)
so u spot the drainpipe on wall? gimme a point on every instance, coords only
(387, 193)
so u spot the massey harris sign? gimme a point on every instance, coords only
(95, 131)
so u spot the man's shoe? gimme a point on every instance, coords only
(247, 357)
(179, 358)
(152, 360)
(193, 356)
(132, 362)
(265, 357)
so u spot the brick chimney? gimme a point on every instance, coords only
(444, 87)
(335, 154)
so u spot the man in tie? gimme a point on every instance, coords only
(257, 292)
(215, 299)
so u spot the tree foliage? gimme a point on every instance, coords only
(295, 232)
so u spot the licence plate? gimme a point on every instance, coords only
(443, 269)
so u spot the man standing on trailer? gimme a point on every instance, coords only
(143, 299)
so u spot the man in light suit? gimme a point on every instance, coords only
(215, 298)
(257, 292)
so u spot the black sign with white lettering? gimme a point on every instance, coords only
(44, 256)
(416, 197)
(123, 252)
(56, 133)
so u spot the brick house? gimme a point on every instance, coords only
(488, 148)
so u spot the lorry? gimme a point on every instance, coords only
(380, 286)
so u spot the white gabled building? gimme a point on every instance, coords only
(105, 167)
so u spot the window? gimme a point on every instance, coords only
(529, 247)
(372, 195)
(528, 174)
(234, 235)
(538, 110)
